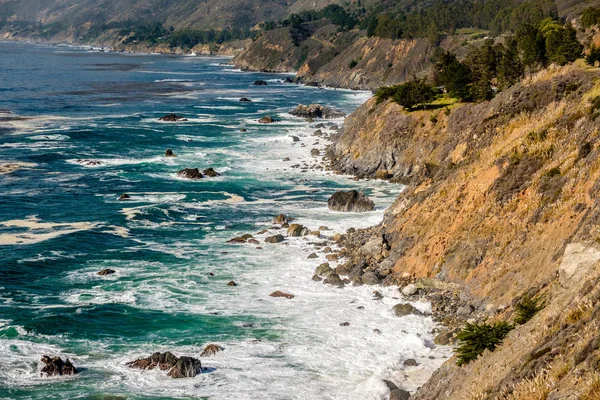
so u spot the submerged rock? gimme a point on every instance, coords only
(231, 283)
(211, 350)
(279, 293)
(260, 82)
(55, 366)
(316, 111)
(124, 197)
(190, 173)
(245, 100)
(169, 153)
(178, 367)
(241, 239)
(315, 152)
(350, 201)
(106, 271)
(172, 118)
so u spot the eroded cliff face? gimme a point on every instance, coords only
(496, 192)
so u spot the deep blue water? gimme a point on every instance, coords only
(89, 133)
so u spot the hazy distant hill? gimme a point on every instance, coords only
(177, 13)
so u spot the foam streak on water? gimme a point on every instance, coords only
(91, 133)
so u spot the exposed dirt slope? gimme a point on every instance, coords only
(496, 192)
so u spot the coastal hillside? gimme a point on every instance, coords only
(500, 203)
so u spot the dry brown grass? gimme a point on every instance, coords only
(593, 391)
(536, 388)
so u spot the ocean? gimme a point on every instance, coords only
(79, 128)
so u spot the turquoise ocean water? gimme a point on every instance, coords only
(90, 134)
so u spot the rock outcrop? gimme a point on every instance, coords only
(190, 173)
(316, 111)
(350, 201)
(177, 367)
(55, 366)
(172, 118)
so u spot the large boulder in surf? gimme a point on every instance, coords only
(245, 100)
(260, 82)
(350, 201)
(210, 173)
(190, 173)
(172, 118)
(55, 366)
(316, 111)
(124, 197)
(169, 153)
(275, 239)
(295, 230)
(178, 367)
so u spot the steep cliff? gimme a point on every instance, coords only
(500, 197)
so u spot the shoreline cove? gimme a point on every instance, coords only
(171, 234)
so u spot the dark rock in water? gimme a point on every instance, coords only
(279, 293)
(267, 120)
(402, 309)
(334, 279)
(320, 126)
(313, 255)
(190, 173)
(253, 241)
(55, 366)
(286, 159)
(312, 84)
(345, 324)
(377, 295)
(350, 201)
(411, 362)
(172, 118)
(124, 197)
(106, 271)
(323, 270)
(211, 173)
(231, 283)
(280, 219)
(316, 111)
(169, 153)
(243, 130)
(245, 100)
(399, 394)
(288, 80)
(260, 82)
(315, 152)
(186, 367)
(178, 367)
(275, 239)
(317, 278)
(295, 138)
(211, 350)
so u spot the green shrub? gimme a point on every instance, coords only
(352, 64)
(593, 56)
(475, 338)
(529, 306)
(595, 107)
(411, 95)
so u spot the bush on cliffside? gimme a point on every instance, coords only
(475, 338)
(412, 95)
(527, 308)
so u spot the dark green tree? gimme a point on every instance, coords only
(475, 338)
(593, 56)
(454, 76)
